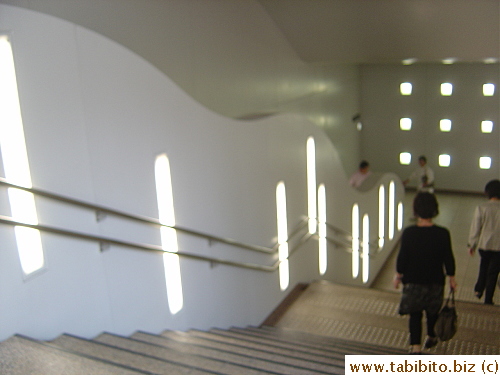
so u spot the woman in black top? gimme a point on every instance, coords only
(424, 257)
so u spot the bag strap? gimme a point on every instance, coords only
(452, 297)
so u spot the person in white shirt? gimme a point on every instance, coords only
(484, 235)
(360, 175)
(424, 176)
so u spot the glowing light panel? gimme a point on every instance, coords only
(485, 162)
(16, 165)
(355, 240)
(446, 89)
(449, 61)
(311, 184)
(445, 125)
(281, 214)
(405, 88)
(169, 241)
(381, 216)
(323, 255)
(405, 123)
(444, 160)
(366, 248)
(392, 209)
(405, 158)
(486, 126)
(488, 89)
(400, 215)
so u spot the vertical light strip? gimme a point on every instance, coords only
(16, 165)
(400, 215)
(284, 272)
(355, 240)
(392, 209)
(311, 184)
(366, 248)
(323, 255)
(169, 242)
(381, 216)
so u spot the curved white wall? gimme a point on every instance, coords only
(95, 118)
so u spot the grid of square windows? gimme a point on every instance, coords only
(445, 125)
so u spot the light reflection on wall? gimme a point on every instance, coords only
(355, 240)
(168, 235)
(366, 248)
(311, 184)
(281, 216)
(16, 165)
(381, 216)
(323, 255)
(392, 209)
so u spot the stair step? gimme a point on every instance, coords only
(289, 335)
(319, 349)
(160, 347)
(20, 355)
(290, 351)
(174, 364)
(259, 351)
(268, 345)
(257, 364)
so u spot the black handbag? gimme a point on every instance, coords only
(447, 321)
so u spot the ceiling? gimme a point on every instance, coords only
(380, 31)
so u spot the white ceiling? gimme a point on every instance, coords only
(378, 31)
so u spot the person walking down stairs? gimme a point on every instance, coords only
(424, 254)
(485, 235)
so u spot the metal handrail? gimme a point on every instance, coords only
(143, 219)
(156, 248)
(145, 247)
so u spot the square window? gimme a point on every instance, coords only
(445, 125)
(444, 160)
(405, 158)
(405, 123)
(446, 89)
(488, 89)
(405, 88)
(486, 126)
(485, 162)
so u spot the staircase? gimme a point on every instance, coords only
(250, 350)
(309, 333)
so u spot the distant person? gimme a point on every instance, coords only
(360, 175)
(424, 176)
(425, 255)
(484, 235)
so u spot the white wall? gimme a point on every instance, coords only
(383, 106)
(96, 116)
(229, 56)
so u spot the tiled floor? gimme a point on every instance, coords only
(370, 315)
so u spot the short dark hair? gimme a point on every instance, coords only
(422, 157)
(492, 189)
(425, 206)
(363, 164)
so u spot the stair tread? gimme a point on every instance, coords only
(316, 348)
(297, 336)
(270, 346)
(174, 364)
(260, 349)
(20, 355)
(248, 364)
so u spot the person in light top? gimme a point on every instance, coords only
(424, 176)
(360, 175)
(484, 235)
